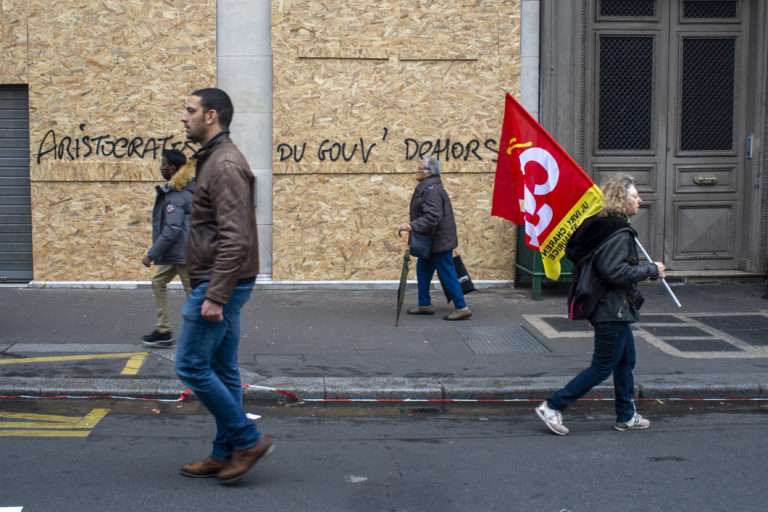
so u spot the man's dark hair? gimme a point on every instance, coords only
(216, 99)
(174, 157)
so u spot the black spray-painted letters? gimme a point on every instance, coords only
(66, 147)
(445, 149)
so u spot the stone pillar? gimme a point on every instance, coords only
(244, 63)
(529, 56)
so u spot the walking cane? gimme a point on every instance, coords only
(663, 281)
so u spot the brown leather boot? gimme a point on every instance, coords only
(242, 461)
(206, 468)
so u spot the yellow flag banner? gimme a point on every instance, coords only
(553, 247)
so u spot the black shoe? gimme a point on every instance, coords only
(158, 339)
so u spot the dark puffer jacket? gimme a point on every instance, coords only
(170, 218)
(616, 263)
(432, 214)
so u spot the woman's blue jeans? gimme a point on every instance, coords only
(614, 353)
(206, 361)
(443, 263)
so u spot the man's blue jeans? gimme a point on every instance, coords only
(614, 353)
(443, 263)
(206, 361)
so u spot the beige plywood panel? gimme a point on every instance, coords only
(361, 89)
(394, 74)
(91, 231)
(13, 41)
(104, 171)
(343, 227)
(116, 68)
(107, 83)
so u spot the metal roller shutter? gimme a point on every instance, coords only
(15, 204)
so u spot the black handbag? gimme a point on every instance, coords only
(421, 245)
(467, 286)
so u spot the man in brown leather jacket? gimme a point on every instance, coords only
(222, 257)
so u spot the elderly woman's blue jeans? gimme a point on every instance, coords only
(206, 361)
(614, 353)
(443, 263)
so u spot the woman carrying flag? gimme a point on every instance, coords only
(615, 260)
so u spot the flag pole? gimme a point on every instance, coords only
(663, 281)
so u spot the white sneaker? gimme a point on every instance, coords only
(552, 419)
(637, 422)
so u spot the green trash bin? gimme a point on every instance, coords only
(529, 266)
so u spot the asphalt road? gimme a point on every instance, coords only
(698, 456)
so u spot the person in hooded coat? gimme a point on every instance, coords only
(173, 203)
(616, 263)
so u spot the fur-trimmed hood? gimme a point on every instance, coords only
(183, 177)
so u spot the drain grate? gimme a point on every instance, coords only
(500, 340)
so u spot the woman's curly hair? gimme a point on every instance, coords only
(615, 194)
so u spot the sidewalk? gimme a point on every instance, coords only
(329, 344)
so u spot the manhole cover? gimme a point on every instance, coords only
(684, 330)
(699, 345)
(561, 324)
(500, 340)
(654, 318)
(732, 323)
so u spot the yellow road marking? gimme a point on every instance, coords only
(42, 417)
(49, 425)
(135, 363)
(132, 367)
(45, 433)
(51, 421)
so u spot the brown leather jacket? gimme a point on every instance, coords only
(222, 247)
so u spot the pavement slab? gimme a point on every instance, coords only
(327, 343)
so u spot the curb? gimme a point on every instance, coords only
(261, 284)
(91, 388)
(390, 389)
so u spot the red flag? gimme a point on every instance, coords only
(540, 186)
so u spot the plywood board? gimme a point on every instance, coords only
(13, 41)
(332, 227)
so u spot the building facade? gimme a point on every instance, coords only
(335, 103)
(674, 93)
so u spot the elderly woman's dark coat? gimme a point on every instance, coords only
(432, 214)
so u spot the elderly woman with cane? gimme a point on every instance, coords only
(611, 241)
(431, 215)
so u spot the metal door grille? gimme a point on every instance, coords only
(15, 209)
(627, 8)
(710, 9)
(707, 94)
(626, 93)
